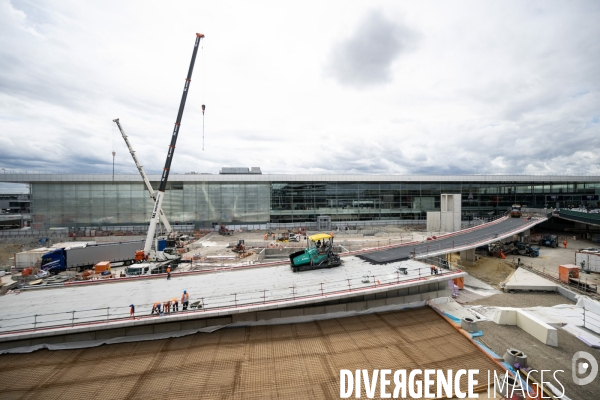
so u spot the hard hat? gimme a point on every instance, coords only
(185, 291)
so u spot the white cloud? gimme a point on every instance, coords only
(466, 87)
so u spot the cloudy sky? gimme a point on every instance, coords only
(427, 87)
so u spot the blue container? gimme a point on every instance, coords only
(162, 244)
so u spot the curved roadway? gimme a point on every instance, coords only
(462, 240)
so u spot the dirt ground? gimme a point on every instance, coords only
(491, 270)
(262, 362)
(7, 251)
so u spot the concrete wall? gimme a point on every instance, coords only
(433, 221)
(451, 209)
(530, 324)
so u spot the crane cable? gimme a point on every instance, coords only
(203, 85)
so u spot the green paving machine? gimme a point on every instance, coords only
(317, 254)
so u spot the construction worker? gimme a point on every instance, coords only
(168, 272)
(565, 243)
(156, 307)
(167, 306)
(175, 303)
(433, 269)
(132, 311)
(185, 300)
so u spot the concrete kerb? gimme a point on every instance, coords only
(229, 312)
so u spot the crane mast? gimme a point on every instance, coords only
(163, 218)
(165, 175)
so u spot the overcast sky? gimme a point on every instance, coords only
(368, 87)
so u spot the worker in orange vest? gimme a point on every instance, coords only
(565, 243)
(132, 311)
(168, 273)
(156, 307)
(175, 303)
(167, 306)
(185, 299)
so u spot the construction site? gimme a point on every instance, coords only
(261, 294)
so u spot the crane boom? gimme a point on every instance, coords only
(165, 175)
(162, 215)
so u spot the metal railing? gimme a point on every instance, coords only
(591, 320)
(103, 315)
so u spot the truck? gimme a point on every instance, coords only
(588, 259)
(515, 211)
(85, 257)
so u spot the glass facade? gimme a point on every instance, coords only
(98, 204)
(351, 201)
(258, 200)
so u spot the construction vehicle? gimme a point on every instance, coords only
(317, 254)
(239, 247)
(167, 168)
(498, 249)
(524, 249)
(168, 254)
(549, 241)
(81, 257)
(288, 237)
(149, 268)
(224, 231)
(515, 211)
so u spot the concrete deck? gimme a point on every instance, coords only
(258, 290)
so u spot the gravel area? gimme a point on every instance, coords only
(540, 356)
(523, 300)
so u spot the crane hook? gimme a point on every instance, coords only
(203, 108)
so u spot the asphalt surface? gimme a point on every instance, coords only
(460, 241)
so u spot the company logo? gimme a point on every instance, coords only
(582, 367)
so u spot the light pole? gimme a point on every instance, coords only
(113, 153)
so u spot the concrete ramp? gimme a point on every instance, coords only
(524, 280)
(462, 240)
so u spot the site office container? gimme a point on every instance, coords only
(568, 271)
(591, 259)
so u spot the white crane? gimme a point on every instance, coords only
(162, 216)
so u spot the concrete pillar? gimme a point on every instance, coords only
(467, 257)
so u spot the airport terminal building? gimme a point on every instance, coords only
(244, 196)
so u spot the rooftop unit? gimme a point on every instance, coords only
(239, 170)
